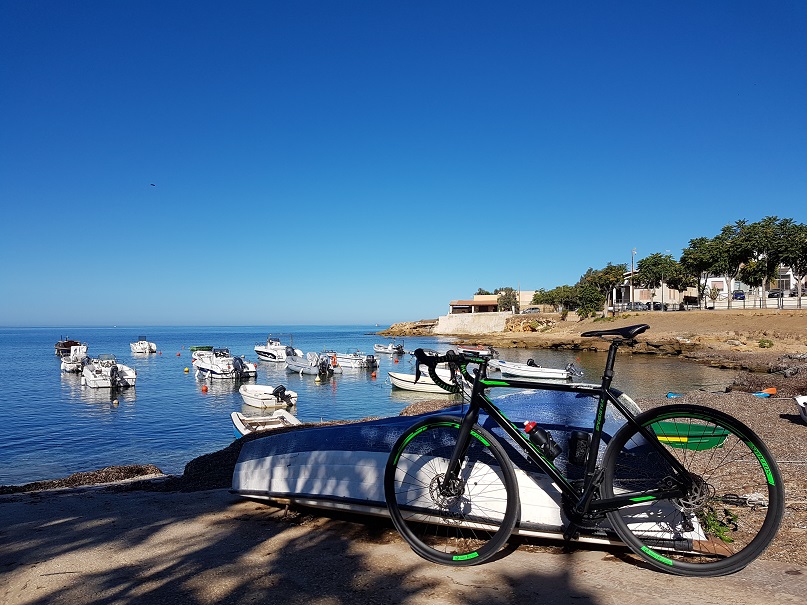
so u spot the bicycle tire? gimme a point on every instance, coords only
(734, 503)
(471, 523)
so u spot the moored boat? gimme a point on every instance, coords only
(479, 350)
(75, 360)
(389, 349)
(531, 370)
(265, 396)
(274, 350)
(244, 425)
(104, 372)
(143, 346)
(355, 359)
(219, 364)
(424, 384)
(313, 364)
(62, 347)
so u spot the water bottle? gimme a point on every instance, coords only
(578, 447)
(542, 440)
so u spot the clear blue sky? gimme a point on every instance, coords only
(241, 163)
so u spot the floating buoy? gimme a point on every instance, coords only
(186, 370)
(159, 352)
(114, 402)
(204, 388)
(317, 379)
(178, 354)
(372, 375)
(396, 360)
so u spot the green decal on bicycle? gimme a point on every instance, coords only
(495, 383)
(642, 498)
(652, 553)
(765, 466)
(470, 555)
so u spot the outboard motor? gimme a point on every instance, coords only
(324, 366)
(115, 379)
(289, 352)
(238, 366)
(531, 362)
(279, 393)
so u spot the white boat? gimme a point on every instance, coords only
(341, 467)
(274, 350)
(75, 360)
(424, 384)
(389, 349)
(530, 370)
(313, 364)
(265, 396)
(244, 425)
(355, 359)
(104, 372)
(142, 346)
(479, 350)
(219, 364)
(801, 402)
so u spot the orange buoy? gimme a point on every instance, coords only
(204, 388)
(372, 375)
(396, 360)
(178, 354)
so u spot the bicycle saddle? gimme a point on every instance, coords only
(628, 332)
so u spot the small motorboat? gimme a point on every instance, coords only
(219, 364)
(244, 425)
(355, 359)
(274, 350)
(264, 396)
(313, 364)
(389, 349)
(480, 350)
(62, 347)
(801, 402)
(424, 384)
(75, 360)
(531, 370)
(143, 346)
(104, 372)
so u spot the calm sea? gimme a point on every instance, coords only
(52, 426)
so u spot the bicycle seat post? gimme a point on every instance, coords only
(608, 373)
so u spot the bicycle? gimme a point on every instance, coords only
(690, 490)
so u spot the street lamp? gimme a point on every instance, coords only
(632, 257)
(662, 281)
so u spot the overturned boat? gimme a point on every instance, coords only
(342, 466)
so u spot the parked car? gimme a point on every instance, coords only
(738, 295)
(658, 307)
(777, 293)
(635, 306)
(531, 310)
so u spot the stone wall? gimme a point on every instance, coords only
(471, 323)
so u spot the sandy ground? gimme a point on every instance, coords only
(104, 547)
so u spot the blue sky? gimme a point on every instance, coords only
(355, 162)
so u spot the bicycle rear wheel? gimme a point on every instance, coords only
(731, 499)
(459, 521)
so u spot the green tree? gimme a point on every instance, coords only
(653, 271)
(508, 299)
(591, 300)
(793, 250)
(696, 260)
(604, 281)
(482, 292)
(762, 241)
(561, 298)
(730, 249)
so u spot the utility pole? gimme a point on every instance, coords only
(632, 257)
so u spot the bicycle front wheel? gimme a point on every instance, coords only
(729, 501)
(461, 520)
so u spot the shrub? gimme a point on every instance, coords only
(765, 343)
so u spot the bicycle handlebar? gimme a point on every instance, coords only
(456, 361)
